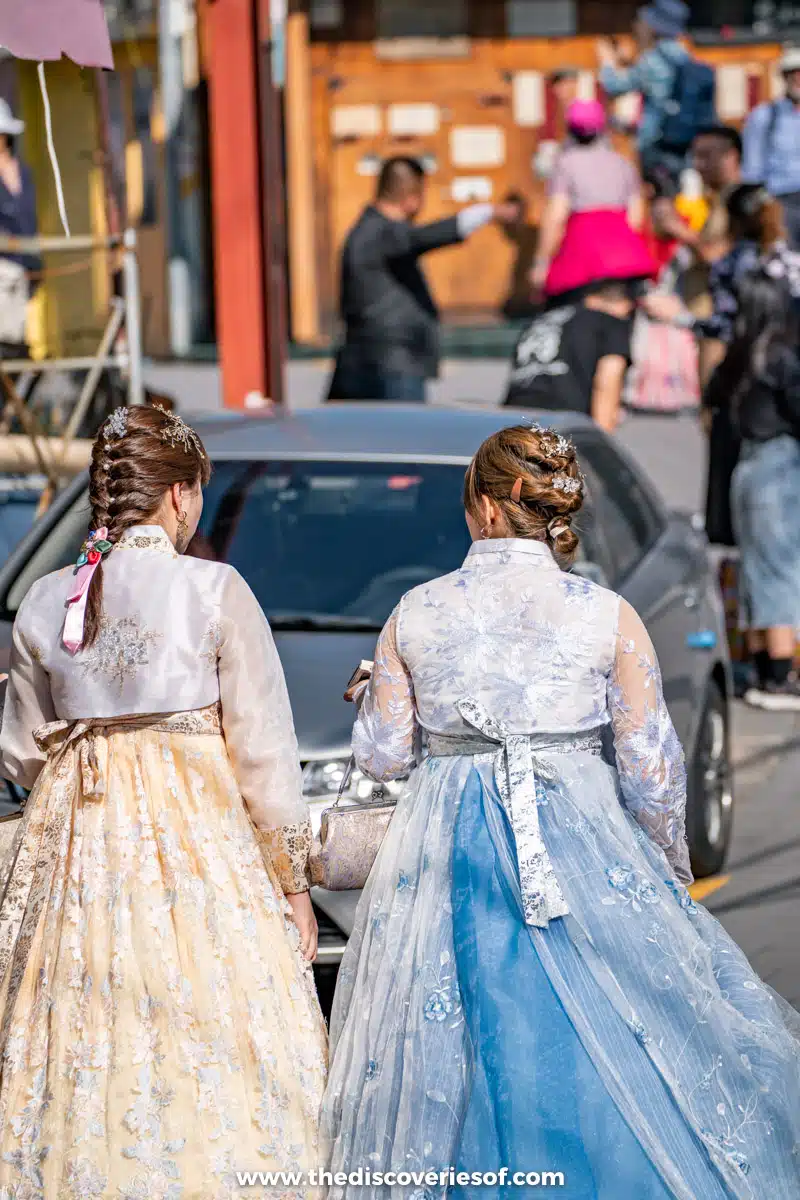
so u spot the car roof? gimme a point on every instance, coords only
(372, 431)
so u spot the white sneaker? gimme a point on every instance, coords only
(776, 697)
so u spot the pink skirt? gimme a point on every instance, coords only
(598, 245)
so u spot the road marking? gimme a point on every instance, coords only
(706, 887)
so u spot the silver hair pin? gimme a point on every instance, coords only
(116, 426)
(556, 442)
(566, 484)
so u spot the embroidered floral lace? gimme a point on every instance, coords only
(583, 639)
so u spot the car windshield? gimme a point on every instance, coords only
(333, 545)
(17, 516)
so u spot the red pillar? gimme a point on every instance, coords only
(247, 291)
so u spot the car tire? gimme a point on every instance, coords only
(709, 815)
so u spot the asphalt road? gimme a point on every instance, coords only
(758, 897)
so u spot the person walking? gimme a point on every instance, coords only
(677, 91)
(159, 1027)
(590, 226)
(574, 357)
(759, 386)
(755, 239)
(17, 219)
(529, 984)
(391, 340)
(772, 146)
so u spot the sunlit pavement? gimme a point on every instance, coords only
(758, 897)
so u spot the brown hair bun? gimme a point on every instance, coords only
(532, 474)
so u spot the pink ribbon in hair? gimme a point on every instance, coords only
(72, 636)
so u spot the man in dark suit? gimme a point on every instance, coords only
(391, 342)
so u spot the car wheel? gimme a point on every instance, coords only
(710, 800)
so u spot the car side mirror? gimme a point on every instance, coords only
(592, 571)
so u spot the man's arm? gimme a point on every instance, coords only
(607, 391)
(405, 239)
(754, 149)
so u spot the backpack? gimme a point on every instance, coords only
(691, 107)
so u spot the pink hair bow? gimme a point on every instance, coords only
(89, 559)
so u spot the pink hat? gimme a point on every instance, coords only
(586, 117)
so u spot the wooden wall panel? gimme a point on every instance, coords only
(470, 282)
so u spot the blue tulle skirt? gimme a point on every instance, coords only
(537, 1102)
(628, 1047)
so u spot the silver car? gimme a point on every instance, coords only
(332, 514)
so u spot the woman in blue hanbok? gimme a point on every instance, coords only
(529, 985)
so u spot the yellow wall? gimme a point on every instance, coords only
(70, 310)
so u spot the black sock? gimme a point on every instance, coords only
(781, 669)
(763, 665)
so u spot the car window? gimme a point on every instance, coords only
(333, 541)
(626, 518)
(60, 548)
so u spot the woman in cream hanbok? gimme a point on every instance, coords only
(529, 986)
(160, 1026)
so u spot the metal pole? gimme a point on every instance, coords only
(173, 18)
(93, 378)
(133, 318)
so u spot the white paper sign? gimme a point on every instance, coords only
(413, 120)
(355, 120)
(732, 98)
(528, 99)
(587, 86)
(478, 146)
(369, 165)
(472, 189)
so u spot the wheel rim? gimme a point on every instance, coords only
(716, 778)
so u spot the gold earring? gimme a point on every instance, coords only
(183, 530)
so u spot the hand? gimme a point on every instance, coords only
(609, 423)
(355, 694)
(662, 307)
(507, 213)
(306, 922)
(538, 277)
(706, 420)
(606, 52)
(668, 222)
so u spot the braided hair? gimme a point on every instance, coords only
(137, 456)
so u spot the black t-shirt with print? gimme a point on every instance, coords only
(556, 357)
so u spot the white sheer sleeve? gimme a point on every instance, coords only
(28, 705)
(384, 737)
(260, 736)
(649, 756)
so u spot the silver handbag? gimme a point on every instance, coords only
(349, 841)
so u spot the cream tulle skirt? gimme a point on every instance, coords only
(160, 1028)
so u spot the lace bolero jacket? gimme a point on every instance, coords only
(177, 634)
(545, 653)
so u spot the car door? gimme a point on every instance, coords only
(658, 564)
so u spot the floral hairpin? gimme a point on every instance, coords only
(567, 485)
(552, 441)
(116, 426)
(176, 433)
(93, 549)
